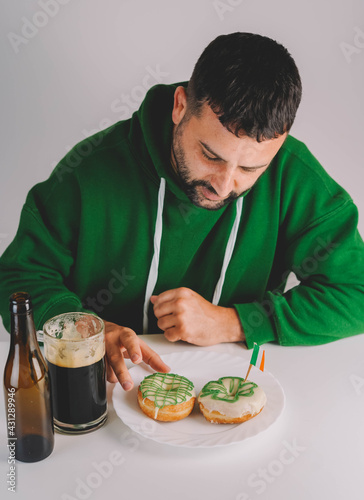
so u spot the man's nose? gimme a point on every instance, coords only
(223, 183)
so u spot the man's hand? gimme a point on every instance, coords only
(124, 343)
(184, 315)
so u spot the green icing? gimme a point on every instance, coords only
(237, 388)
(166, 388)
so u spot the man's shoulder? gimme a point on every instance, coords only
(299, 165)
(307, 192)
(111, 137)
(99, 149)
(296, 151)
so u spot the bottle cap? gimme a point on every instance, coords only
(20, 303)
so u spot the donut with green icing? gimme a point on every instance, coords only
(231, 400)
(166, 396)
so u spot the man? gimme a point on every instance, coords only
(188, 218)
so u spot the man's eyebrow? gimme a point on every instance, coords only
(219, 157)
(210, 151)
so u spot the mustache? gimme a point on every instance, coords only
(206, 184)
(203, 183)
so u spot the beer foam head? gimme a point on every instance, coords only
(74, 340)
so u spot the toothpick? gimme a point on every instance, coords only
(247, 373)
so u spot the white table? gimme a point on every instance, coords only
(314, 451)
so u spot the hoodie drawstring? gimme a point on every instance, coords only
(228, 251)
(153, 271)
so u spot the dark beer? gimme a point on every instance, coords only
(74, 347)
(79, 394)
(27, 387)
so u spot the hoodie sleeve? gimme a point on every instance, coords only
(328, 259)
(41, 256)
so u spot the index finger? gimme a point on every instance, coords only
(152, 359)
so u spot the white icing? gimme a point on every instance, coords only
(244, 404)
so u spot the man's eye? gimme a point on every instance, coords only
(211, 158)
(250, 170)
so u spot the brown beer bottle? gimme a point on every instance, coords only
(27, 387)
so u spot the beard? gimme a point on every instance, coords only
(192, 186)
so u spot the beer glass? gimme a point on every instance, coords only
(74, 347)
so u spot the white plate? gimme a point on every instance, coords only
(194, 431)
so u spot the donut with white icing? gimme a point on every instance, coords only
(166, 397)
(231, 400)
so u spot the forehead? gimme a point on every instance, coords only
(207, 128)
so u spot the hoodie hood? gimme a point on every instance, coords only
(154, 119)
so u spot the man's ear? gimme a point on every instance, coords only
(179, 105)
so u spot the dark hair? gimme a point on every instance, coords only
(250, 81)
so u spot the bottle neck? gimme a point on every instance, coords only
(23, 330)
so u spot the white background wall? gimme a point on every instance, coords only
(82, 66)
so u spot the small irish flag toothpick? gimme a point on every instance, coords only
(257, 353)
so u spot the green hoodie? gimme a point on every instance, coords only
(88, 234)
